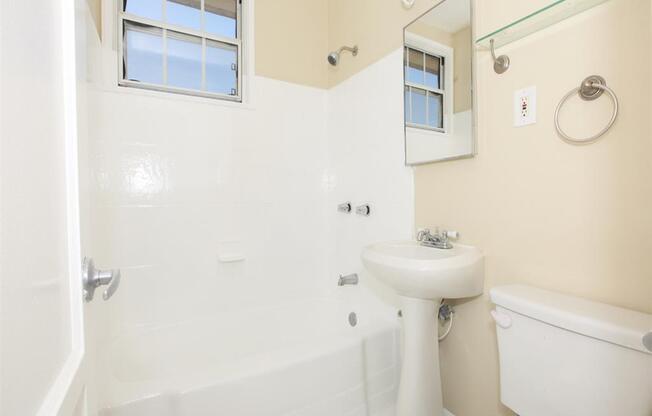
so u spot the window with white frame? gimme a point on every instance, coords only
(426, 89)
(185, 46)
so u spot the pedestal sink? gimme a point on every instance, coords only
(423, 276)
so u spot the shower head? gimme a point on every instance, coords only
(334, 57)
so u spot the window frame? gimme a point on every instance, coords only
(203, 35)
(446, 54)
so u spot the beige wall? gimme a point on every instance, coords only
(376, 26)
(575, 219)
(427, 31)
(294, 37)
(292, 41)
(463, 99)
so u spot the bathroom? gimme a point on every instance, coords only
(239, 219)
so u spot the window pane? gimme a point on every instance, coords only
(435, 113)
(220, 17)
(151, 9)
(143, 53)
(407, 104)
(184, 13)
(415, 68)
(432, 72)
(184, 61)
(221, 74)
(418, 106)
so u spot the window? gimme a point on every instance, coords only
(425, 89)
(185, 46)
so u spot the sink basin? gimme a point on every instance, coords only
(423, 272)
(422, 276)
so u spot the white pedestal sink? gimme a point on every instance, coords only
(422, 276)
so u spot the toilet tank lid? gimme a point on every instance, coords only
(620, 326)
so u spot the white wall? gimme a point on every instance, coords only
(36, 323)
(177, 181)
(367, 165)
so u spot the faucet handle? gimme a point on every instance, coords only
(453, 235)
(422, 233)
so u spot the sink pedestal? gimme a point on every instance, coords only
(422, 276)
(419, 392)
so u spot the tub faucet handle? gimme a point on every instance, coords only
(349, 279)
(344, 207)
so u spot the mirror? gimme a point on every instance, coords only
(438, 83)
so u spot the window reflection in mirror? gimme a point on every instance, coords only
(438, 84)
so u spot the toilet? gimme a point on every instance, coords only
(566, 356)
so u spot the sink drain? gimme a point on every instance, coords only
(353, 319)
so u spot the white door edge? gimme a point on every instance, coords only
(68, 385)
(63, 389)
(72, 173)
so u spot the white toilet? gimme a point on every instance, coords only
(566, 356)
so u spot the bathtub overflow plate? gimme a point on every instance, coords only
(353, 319)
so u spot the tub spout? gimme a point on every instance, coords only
(349, 279)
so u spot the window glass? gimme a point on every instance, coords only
(221, 63)
(424, 89)
(432, 72)
(186, 13)
(406, 104)
(220, 17)
(151, 9)
(194, 50)
(418, 97)
(435, 113)
(143, 51)
(184, 61)
(414, 72)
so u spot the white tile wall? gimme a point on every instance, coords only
(178, 183)
(366, 164)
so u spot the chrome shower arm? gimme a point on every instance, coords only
(353, 49)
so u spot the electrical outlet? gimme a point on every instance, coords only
(525, 106)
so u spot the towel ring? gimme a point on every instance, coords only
(592, 87)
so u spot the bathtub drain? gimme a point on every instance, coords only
(353, 319)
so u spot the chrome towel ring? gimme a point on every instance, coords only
(591, 88)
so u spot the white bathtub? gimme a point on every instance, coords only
(299, 359)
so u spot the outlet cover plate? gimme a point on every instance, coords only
(525, 106)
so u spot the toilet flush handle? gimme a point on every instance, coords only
(502, 319)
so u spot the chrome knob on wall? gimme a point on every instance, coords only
(93, 278)
(349, 279)
(345, 207)
(363, 210)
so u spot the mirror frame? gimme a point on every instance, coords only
(474, 100)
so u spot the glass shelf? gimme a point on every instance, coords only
(547, 16)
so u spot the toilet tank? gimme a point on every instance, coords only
(565, 356)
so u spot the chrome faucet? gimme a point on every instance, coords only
(436, 240)
(349, 279)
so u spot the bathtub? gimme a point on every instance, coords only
(303, 358)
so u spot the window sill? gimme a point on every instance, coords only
(246, 103)
(427, 132)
